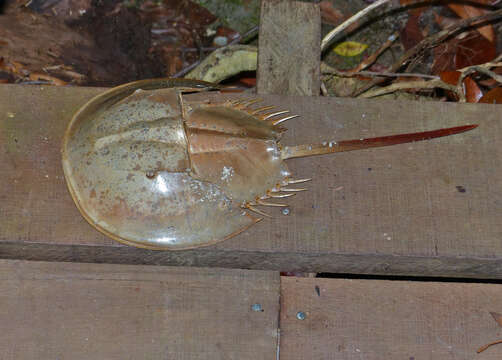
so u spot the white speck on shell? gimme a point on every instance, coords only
(227, 173)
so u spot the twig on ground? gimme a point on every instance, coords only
(246, 37)
(187, 69)
(484, 347)
(483, 69)
(433, 41)
(436, 83)
(373, 57)
(331, 35)
(328, 70)
(419, 84)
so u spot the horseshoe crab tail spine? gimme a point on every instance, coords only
(289, 152)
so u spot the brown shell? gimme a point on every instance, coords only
(151, 170)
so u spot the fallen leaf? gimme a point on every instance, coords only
(450, 77)
(472, 91)
(458, 53)
(489, 83)
(444, 57)
(469, 11)
(474, 50)
(250, 82)
(494, 96)
(444, 21)
(350, 48)
(230, 34)
(329, 14)
(411, 34)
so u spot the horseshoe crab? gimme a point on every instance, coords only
(150, 169)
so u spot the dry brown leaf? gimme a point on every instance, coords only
(411, 34)
(469, 11)
(474, 50)
(489, 83)
(450, 77)
(330, 14)
(457, 53)
(472, 91)
(494, 96)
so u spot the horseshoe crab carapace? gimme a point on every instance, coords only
(150, 169)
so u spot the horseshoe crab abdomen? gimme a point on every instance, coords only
(235, 150)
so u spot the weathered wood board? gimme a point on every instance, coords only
(80, 311)
(428, 208)
(392, 320)
(289, 55)
(103, 311)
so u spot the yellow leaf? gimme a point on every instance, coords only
(350, 48)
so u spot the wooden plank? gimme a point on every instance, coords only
(429, 208)
(378, 319)
(289, 55)
(102, 311)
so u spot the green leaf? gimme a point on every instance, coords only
(350, 48)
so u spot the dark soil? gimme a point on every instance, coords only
(98, 42)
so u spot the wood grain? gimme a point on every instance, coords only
(102, 311)
(428, 208)
(289, 55)
(378, 319)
